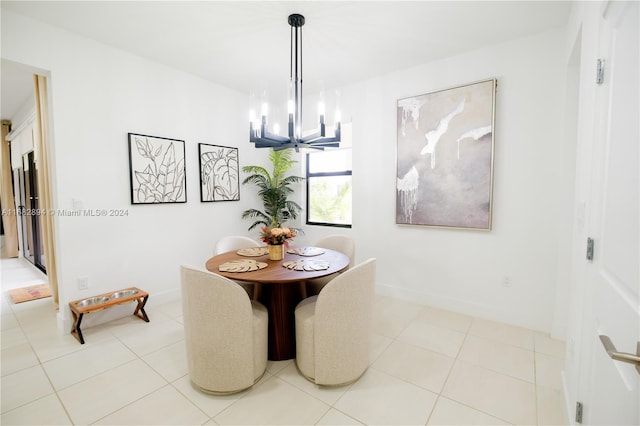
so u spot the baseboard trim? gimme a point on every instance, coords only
(464, 307)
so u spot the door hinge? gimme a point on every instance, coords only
(600, 71)
(578, 412)
(590, 244)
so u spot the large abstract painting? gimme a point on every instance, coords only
(157, 170)
(219, 173)
(445, 157)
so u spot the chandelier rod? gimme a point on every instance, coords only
(296, 21)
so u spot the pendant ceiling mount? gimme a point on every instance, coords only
(296, 20)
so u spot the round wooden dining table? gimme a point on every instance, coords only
(281, 289)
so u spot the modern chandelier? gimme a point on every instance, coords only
(259, 132)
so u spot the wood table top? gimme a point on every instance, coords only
(274, 272)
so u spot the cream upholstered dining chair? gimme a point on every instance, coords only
(237, 242)
(333, 329)
(340, 243)
(225, 333)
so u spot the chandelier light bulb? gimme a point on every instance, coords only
(276, 128)
(265, 109)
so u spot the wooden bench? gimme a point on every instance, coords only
(106, 300)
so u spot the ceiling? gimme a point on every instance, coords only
(244, 45)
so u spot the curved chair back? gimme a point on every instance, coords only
(237, 242)
(219, 332)
(234, 242)
(341, 243)
(342, 325)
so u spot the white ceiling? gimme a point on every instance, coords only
(244, 45)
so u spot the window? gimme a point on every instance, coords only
(329, 185)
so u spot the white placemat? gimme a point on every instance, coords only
(241, 265)
(306, 265)
(253, 251)
(306, 251)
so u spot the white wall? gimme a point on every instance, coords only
(99, 94)
(462, 270)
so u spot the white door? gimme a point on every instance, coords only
(613, 395)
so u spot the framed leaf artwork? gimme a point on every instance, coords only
(219, 173)
(157, 170)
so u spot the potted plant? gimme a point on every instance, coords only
(274, 188)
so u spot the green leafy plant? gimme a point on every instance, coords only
(274, 188)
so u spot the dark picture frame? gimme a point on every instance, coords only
(219, 173)
(445, 147)
(157, 170)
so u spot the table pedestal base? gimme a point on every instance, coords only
(281, 300)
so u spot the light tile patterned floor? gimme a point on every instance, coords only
(428, 366)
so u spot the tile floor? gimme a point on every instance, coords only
(428, 366)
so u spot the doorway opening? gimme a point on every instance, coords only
(30, 213)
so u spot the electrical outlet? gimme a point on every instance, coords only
(83, 283)
(506, 281)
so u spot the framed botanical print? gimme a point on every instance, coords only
(219, 173)
(157, 170)
(445, 157)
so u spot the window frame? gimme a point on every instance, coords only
(325, 174)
